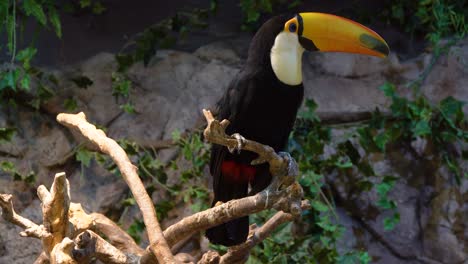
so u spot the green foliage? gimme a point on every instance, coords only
(9, 168)
(441, 124)
(434, 18)
(17, 74)
(253, 9)
(136, 229)
(6, 133)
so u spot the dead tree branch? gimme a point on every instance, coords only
(89, 245)
(159, 246)
(9, 214)
(55, 205)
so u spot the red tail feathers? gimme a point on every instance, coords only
(237, 172)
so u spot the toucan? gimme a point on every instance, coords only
(262, 101)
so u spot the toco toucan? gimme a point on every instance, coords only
(262, 101)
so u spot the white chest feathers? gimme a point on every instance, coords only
(286, 58)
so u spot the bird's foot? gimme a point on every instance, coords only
(287, 176)
(240, 143)
(292, 169)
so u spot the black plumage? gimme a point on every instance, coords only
(262, 108)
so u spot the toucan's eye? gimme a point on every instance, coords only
(292, 27)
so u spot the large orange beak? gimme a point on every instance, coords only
(324, 32)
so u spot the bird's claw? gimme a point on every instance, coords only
(240, 143)
(293, 170)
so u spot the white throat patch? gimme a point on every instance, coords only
(286, 58)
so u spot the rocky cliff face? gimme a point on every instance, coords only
(170, 93)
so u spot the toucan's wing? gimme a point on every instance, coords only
(231, 107)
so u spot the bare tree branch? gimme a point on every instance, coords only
(55, 205)
(118, 237)
(42, 259)
(159, 246)
(62, 252)
(9, 214)
(90, 245)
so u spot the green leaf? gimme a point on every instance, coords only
(8, 167)
(70, 104)
(85, 3)
(9, 79)
(84, 156)
(135, 229)
(25, 56)
(176, 135)
(25, 82)
(54, 19)
(452, 110)
(386, 204)
(309, 113)
(381, 140)
(391, 222)
(383, 188)
(6, 134)
(344, 165)
(124, 61)
(128, 108)
(82, 81)
(421, 128)
(388, 89)
(98, 8)
(31, 7)
(319, 206)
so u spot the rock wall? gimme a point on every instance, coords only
(170, 93)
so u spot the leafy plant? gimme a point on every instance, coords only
(253, 9)
(9, 167)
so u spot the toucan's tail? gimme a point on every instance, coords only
(231, 181)
(231, 233)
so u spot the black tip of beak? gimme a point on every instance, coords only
(374, 44)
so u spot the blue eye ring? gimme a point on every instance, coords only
(292, 27)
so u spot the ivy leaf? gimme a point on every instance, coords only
(31, 7)
(98, 8)
(9, 79)
(344, 165)
(54, 19)
(6, 134)
(8, 167)
(421, 128)
(388, 89)
(319, 206)
(70, 104)
(381, 140)
(25, 82)
(452, 110)
(128, 108)
(84, 156)
(391, 222)
(85, 3)
(25, 56)
(310, 114)
(124, 61)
